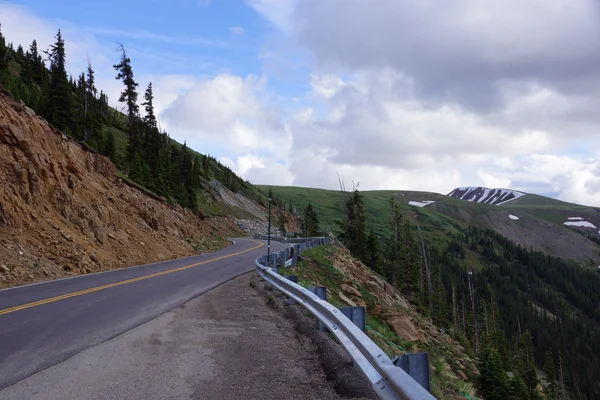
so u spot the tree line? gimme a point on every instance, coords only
(75, 106)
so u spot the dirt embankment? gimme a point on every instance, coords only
(63, 211)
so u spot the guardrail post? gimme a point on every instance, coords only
(321, 293)
(296, 251)
(417, 366)
(356, 315)
(282, 258)
(292, 278)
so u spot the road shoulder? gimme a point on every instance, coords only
(228, 343)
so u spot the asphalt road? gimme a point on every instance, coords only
(44, 324)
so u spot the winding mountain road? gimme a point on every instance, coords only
(44, 324)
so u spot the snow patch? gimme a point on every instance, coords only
(420, 203)
(575, 218)
(584, 224)
(485, 195)
(514, 217)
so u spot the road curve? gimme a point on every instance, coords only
(44, 324)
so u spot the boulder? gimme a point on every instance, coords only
(350, 290)
(346, 300)
(403, 327)
(361, 303)
(376, 311)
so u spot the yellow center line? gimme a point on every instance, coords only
(119, 283)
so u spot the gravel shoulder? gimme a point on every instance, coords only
(228, 344)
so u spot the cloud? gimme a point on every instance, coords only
(148, 36)
(236, 30)
(231, 112)
(455, 50)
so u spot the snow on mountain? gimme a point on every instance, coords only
(420, 203)
(485, 195)
(583, 224)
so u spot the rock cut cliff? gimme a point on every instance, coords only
(64, 211)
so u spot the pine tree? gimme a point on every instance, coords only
(493, 384)
(310, 222)
(373, 252)
(353, 226)
(517, 389)
(197, 172)
(149, 118)
(3, 54)
(525, 364)
(129, 96)
(396, 263)
(550, 370)
(58, 102)
(109, 148)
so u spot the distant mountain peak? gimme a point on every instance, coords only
(480, 194)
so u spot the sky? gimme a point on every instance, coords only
(387, 94)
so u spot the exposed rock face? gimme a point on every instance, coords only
(63, 211)
(254, 227)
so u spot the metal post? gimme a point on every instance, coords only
(417, 366)
(356, 315)
(321, 293)
(269, 233)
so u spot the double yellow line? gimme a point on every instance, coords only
(110, 285)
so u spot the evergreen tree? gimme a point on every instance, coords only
(373, 252)
(109, 148)
(493, 384)
(550, 370)
(518, 389)
(3, 54)
(310, 222)
(353, 227)
(525, 363)
(129, 96)
(57, 108)
(396, 263)
(197, 172)
(149, 118)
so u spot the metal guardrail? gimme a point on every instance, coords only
(388, 381)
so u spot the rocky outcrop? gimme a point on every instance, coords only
(63, 210)
(403, 327)
(254, 227)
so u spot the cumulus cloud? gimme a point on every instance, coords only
(230, 111)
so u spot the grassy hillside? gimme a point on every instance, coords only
(540, 224)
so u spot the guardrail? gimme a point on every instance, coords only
(284, 239)
(388, 381)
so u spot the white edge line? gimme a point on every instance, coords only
(104, 272)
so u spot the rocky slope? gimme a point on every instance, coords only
(391, 319)
(64, 211)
